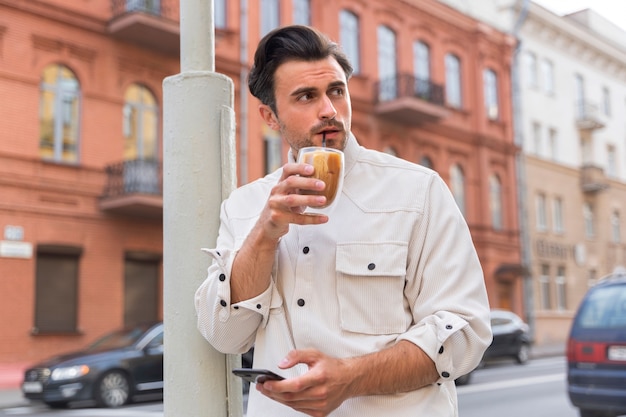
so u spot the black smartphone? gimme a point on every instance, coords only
(257, 375)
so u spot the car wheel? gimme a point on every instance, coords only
(523, 354)
(113, 390)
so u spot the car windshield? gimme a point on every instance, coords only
(605, 308)
(119, 339)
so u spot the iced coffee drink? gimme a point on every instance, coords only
(328, 167)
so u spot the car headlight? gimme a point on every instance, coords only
(69, 372)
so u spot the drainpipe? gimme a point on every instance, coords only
(198, 172)
(518, 132)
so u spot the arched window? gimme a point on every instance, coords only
(615, 227)
(457, 186)
(349, 37)
(495, 202)
(490, 87)
(426, 161)
(302, 12)
(59, 112)
(140, 124)
(387, 72)
(270, 16)
(421, 69)
(453, 81)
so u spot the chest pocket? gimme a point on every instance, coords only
(370, 287)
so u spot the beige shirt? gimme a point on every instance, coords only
(394, 262)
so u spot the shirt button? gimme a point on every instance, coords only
(222, 277)
(301, 302)
(441, 350)
(448, 326)
(223, 303)
(445, 374)
(305, 250)
(258, 306)
(371, 266)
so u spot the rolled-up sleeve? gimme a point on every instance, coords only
(230, 328)
(448, 297)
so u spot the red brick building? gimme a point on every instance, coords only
(81, 144)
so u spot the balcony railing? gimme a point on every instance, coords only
(134, 187)
(408, 99)
(147, 23)
(588, 116)
(592, 179)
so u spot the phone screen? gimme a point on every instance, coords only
(257, 375)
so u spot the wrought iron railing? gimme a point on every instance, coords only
(407, 85)
(138, 176)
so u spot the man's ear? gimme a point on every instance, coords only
(269, 117)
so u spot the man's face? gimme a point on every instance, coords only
(311, 98)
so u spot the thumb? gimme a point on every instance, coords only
(295, 357)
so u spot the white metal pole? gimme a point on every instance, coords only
(198, 172)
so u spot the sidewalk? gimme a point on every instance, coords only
(10, 379)
(11, 375)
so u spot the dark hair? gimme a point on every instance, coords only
(294, 42)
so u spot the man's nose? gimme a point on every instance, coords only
(327, 111)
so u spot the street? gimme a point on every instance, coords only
(499, 389)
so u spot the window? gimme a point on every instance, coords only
(141, 288)
(553, 143)
(457, 185)
(421, 69)
(558, 215)
(387, 63)
(531, 70)
(606, 101)
(542, 221)
(588, 216)
(490, 85)
(140, 124)
(59, 111)
(301, 12)
(537, 138)
(611, 163)
(580, 96)
(615, 227)
(453, 81)
(219, 13)
(495, 202)
(349, 37)
(561, 289)
(270, 16)
(547, 76)
(150, 6)
(426, 161)
(273, 150)
(56, 289)
(544, 287)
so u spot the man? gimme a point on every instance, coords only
(372, 310)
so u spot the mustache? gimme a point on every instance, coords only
(330, 123)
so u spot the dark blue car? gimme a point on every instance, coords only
(596, 350)
(110, 372)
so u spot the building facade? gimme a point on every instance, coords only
(571, 96)
(81, 152)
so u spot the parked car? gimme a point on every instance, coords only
(511, 339)
(596, 350)
(111, 371)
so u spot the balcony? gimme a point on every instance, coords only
(409, 100)
(148, 23)
(589, 117)
(134, 188)
(592, 179)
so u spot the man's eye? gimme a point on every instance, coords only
(337, 91)
(305, 97)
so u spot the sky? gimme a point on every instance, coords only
(613, 10)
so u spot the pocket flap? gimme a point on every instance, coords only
(372, 259)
